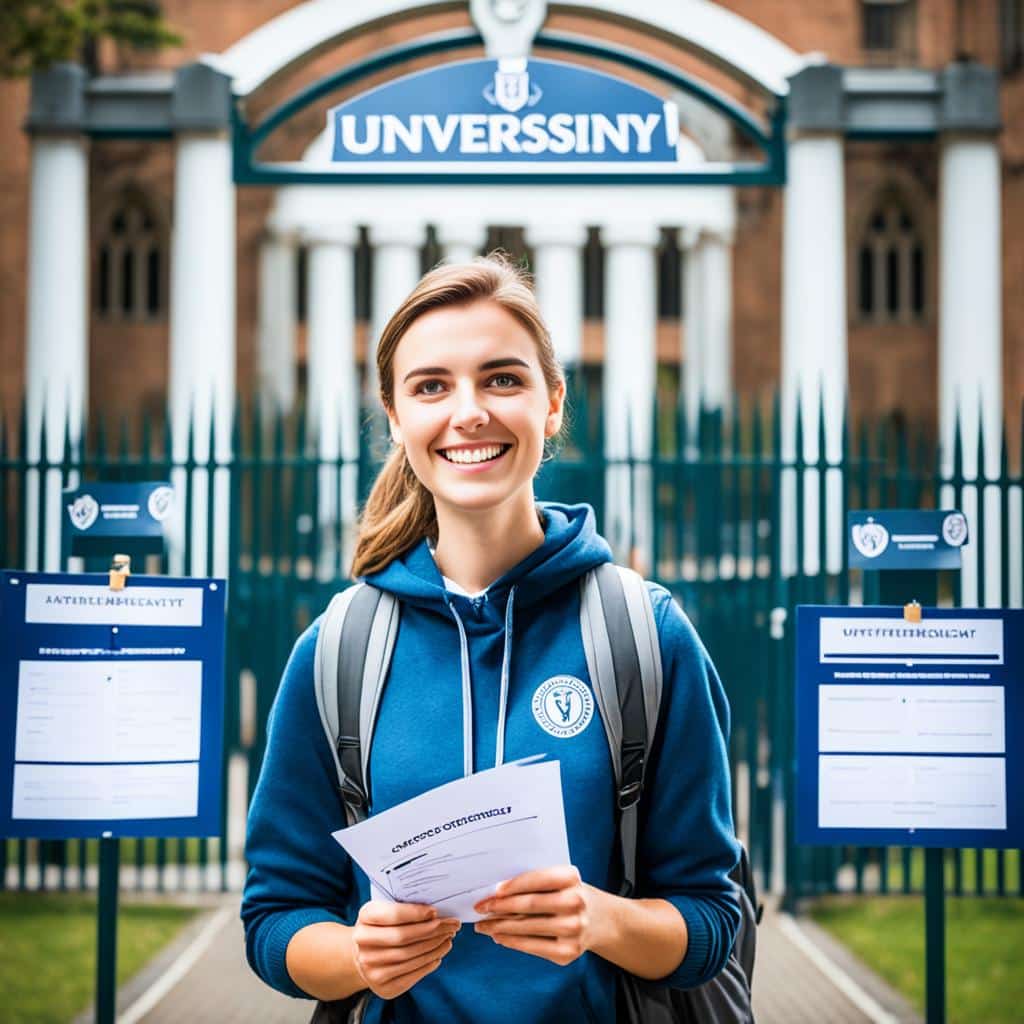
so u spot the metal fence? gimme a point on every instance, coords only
(724, 503)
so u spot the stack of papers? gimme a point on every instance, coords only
(451, 846)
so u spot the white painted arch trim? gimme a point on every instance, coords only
(722, 36)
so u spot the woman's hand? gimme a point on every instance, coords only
(549, 913)
(397, 944)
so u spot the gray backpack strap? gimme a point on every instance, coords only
(620, 641)
(353, 653)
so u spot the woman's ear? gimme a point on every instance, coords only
(553, 423)
(394, 428)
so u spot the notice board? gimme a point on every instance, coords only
(909, 733)
(111, 704)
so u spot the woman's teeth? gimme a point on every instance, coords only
(469, 455)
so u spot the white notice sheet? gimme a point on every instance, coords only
(451, 846)
(912, 719)
(887, 791)
(108, 711)
(111, 791)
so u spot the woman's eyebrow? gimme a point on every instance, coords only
(440, 371)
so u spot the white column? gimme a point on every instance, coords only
(558, 282)
(629, 384)
(461, 240)
(58, 331)
(277, 309)
(694, 294)
(333, 390)
(970, 338)
(396, 269)
(203, 335)
(814, 360)
(716, 282)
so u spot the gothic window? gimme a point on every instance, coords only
(1011, 34)
(890, 267)
(131, 273)
(889, 30)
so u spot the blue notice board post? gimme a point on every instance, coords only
(111, 707)
(883, 695)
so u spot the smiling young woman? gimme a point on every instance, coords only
(473, 394)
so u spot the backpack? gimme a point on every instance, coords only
(620, 641)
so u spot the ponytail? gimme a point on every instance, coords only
(399, 513)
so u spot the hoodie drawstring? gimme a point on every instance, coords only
(467, 689)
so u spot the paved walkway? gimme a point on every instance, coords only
(204, 978)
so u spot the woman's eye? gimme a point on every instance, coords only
(506, 380)
(427, 387)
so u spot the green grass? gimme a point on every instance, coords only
(984, 949)
(48, 951)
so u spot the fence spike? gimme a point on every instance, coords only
(980, 470)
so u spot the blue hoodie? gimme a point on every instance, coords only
(490, 650)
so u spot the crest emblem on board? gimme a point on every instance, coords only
(159, 504)
(954, 529)
(511, 89)
(870, 538)
(83, 511)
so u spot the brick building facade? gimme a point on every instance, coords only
(892, 223)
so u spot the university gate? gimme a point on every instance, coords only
(738, 511)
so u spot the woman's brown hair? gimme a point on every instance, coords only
(399, 512)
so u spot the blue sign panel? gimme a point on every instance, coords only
(905, 538)
(483, 112)
(96, 514)
(111, 706)
(910, 733)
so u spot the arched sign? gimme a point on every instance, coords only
(470, 115)
(512, 121)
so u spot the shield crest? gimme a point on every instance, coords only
(954, 529)
(160, 502)
(870, 538)
(511, 89)
(83, 511)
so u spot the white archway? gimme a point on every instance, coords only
(723, 37)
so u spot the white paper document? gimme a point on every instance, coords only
(451, 846)
(80, 792)
(136, 605)
(887, 791)
(107, 711)
(894, 641)
(912, 719)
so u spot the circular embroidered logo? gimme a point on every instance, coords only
(563, 706)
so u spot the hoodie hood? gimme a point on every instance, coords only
(571, 547)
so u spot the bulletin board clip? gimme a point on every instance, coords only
(912, 612)
(120, 570)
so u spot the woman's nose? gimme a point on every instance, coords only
(468, 414)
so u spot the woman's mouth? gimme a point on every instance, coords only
(478, 455)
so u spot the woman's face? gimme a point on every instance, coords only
(471, 405)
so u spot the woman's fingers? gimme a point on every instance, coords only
(382, 913)
(542, 880)
(541, 925)
(403, 982)
(381, 973)
(403, 935)
(388, 955)
(562, 901)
